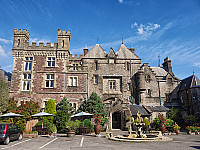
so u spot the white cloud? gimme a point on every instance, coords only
(197, 64)
(9, 66)
(121, 1)
(5, 41)
(143, 29)
(2, 52)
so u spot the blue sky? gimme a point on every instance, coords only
(166, 27)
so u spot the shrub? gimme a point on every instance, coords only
(191, 119)
(50, 107)
(146, 121)
(169, 122)
(72, 125)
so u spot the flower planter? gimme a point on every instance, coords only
(177, 132)
(162, 128)
(71, 134)
(97, 129)
(189, 132)
(32, 135)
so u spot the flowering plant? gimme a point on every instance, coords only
(29, 132)
(176, 126)
(97, 119)
(193, 128)
(162, 119)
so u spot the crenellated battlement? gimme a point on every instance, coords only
(21, 31)
(42, 46)
(64, 32)
(75, 57)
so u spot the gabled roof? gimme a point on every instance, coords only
(96, 52)
(134, 110)
(157, 108)
(111, 54)
(125, 53)
(189, 82)
(159, 71)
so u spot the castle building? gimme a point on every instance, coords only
(41, 72)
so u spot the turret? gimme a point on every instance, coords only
(21, 38)
(64, 39)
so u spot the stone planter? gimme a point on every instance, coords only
(32, 135)
(71, 134)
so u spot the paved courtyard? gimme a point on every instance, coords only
(89, 142)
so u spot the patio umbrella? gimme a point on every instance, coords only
(42, 114)
(11, 115)
(82, 114)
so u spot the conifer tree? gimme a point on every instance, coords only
(63, 114)
(50, 107)
(94, 105)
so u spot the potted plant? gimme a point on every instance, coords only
(52, 129)
(189, 129)
(162, 122)
(97, 122)
(32, 134)
(177, 128)
(71, 126)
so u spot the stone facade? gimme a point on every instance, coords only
(43, 72)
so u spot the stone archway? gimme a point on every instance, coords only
(116, 120)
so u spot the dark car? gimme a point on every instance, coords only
(9, 132)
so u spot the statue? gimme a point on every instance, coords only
(138, 117)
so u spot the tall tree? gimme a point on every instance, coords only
(94, 105)
(50, 107)
(4, 93)
(63, 113)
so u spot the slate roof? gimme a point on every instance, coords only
(159, 71)
(189, 82)
(125, 53)
(157, 108)
(134, 110)
(111, 54)
(96, 52)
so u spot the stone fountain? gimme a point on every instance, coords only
(139, 136)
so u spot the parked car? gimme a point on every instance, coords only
(9, 132)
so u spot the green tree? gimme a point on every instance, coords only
(94, 105)
(4, 93)
(50, 107)
(63, 113)
(176, 115)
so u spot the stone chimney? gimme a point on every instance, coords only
(167, 65)
(132, 49)
(85, 50)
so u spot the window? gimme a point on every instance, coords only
(96, 65)
(18, 42)
(129, 86)
(95, 79)
(112, 84)
(73, 81)
(63, 43)
(148, 78)
(149, 92)
(51, 62)
(75, 66)
(26, 83)
(75, 106)
(127, 66)
(28, 63)
(49, 81)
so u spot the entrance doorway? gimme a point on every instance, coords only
(116, 120)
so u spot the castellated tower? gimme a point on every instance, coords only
(21, 38)
(64, 39)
